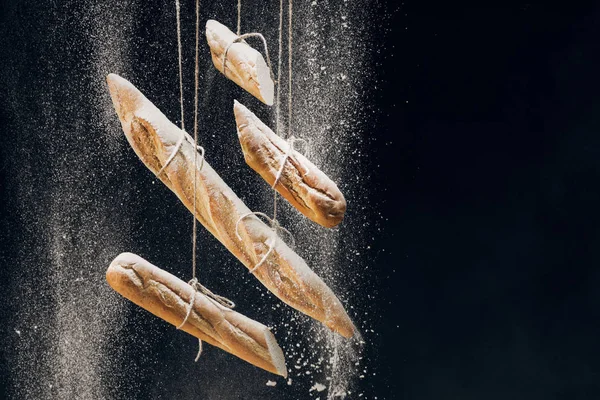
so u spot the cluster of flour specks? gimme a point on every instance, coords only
(330, 58)
(68, 328)
(68, 317)
(87, 230)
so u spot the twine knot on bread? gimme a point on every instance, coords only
(198, 287)
(184, 135)
(223, 301)
(241, 38)
(292, 140)
(276, 228)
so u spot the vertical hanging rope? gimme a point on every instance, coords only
(239, 20)
(177, 9)
(290, 52)
(278, 94)
(277, 109)
(275, 227)
(196, 72)
(194, 282)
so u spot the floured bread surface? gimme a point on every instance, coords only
(244, 65)
(304, 185)
(168, 297)
(154, 138)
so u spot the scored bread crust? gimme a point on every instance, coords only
(168, 297)
(301, 183)
(245, 65)
(284, 273)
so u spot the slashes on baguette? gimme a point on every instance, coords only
(243, 64)
(299, 181)
(169, 298)
(153, 138)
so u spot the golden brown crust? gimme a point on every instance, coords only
(285, 274)
(301, 183)
(245, 65)
(168, 297)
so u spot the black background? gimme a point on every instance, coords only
(484, 171)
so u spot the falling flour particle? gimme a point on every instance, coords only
(318, 387)
(271, 383)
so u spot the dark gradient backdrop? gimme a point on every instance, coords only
(483, 151)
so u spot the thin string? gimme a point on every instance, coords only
(172, 155)
(176, 150)
(194, 283)
(187, 315)
(290, 52)
(275, 229)
(194, 280)
(239, 19)
(198, 287)
(278, 95)
(292, 140)
(240, 38)
(196, 84)
(177, 8)
(289, 130)
(274, 224)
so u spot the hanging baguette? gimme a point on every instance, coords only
(169, 298)
(239, 62)
(154, 138)
(287, 171)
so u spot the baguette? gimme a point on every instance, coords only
(301, 183)
(245, 65)
(154, 139)
(168, 297)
